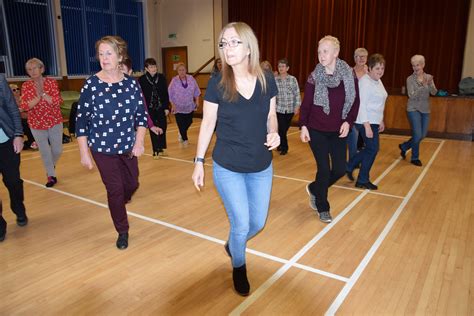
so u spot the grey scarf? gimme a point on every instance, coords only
(323, 81)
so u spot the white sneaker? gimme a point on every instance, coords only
(180, 139)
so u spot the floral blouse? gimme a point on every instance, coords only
(43, 115)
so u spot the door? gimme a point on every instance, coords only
(171, 57)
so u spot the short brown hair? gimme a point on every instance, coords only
(284, 61)
(116, 42)
(375, 59)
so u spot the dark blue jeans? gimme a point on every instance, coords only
(366, 156)
(419, 128)
(352, 141)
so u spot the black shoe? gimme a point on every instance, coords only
(349, 175)
(226, 247)
(22, 221)
(283, 152)
(122, 241)
(3, 229)
(51, 182)
(241, 283)
(417, 162)
(403, 153)
(369, 185)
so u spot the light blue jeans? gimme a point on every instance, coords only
(419, 128)
(246, 198)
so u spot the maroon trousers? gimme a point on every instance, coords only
(119, 173)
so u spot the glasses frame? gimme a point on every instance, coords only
(231, 43)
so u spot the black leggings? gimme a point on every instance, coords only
(329, 150)
(159, 120)
(184, 120)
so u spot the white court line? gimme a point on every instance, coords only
(276, 176)
(344, 187)
(191, 232)
(364, 263)
(292, 262)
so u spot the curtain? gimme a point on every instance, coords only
(397, 29)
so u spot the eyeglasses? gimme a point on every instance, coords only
(15, 89)
(231, 43)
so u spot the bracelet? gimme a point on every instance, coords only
(198, 159)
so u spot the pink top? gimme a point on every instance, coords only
(43, 115)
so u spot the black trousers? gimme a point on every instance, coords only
(284, 122)
(330, 153)
(159, 119)
(27, 131)
(10, 170)
(184, 120)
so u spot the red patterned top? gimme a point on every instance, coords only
(43, 115)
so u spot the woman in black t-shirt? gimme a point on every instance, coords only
(243, 99)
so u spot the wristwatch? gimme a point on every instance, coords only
(198, 159)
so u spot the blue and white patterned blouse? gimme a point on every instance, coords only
(109, 113)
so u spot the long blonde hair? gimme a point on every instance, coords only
(250, 41)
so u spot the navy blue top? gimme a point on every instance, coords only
(109, 113)
(242, 127)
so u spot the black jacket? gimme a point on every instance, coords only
(10, 120)
(147, 89)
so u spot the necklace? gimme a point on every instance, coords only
(185, 83)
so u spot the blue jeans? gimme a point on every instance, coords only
(419, 128)
(246, 198)
(352, 139)
(366, 156)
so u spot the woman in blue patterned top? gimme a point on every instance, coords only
(111, 121)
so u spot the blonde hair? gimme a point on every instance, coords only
(418, 58)
(360, 50)
(116, 42)
(266, 65)
(250, 41)
(333, 40)
(181, 64)
(34, 61)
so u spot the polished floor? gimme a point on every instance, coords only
(405, 249)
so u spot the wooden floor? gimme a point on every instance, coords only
(405, 249)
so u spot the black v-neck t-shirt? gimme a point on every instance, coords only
(242, 127)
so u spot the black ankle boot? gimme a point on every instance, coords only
(3, 229)
(122, 241)
(241, 284)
